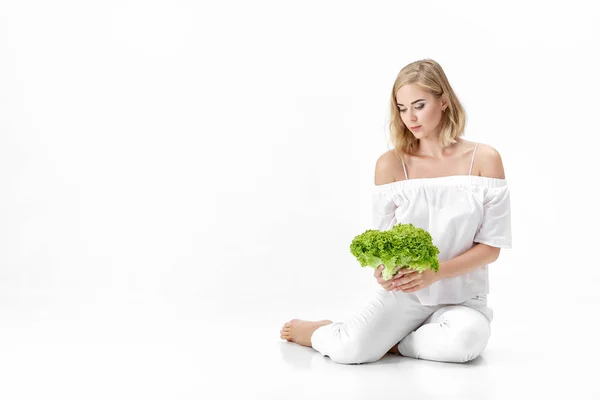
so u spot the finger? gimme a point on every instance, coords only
(378, 271)
(388, 285)
(405, 279)
(412, 289)
(410, 285)
(403, 271)
(394, 284)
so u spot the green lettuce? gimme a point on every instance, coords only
(404, 245)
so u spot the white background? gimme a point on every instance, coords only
(180, 178)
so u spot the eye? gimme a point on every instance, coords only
(417, 107)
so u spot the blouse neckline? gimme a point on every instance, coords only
(446, 180)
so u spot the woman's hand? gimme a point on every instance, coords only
(418, 281)
(392, 283)
(406, 280)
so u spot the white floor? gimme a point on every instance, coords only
(134, 346)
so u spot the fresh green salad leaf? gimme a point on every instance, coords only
(404, 245)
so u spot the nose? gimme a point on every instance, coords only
(411, 116)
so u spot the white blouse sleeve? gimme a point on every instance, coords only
(495, 228)
(384, 207)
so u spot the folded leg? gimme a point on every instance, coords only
(370, 333)
(455, 333)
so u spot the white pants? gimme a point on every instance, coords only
(444, 332)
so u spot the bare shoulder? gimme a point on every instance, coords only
(386, 168)
(489, 162)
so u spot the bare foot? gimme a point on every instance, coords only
(394, 349)
(299, 331)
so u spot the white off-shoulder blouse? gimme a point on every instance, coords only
(458, 211)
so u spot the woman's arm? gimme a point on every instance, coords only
(475, 257)
(490, 165)
(471, 259)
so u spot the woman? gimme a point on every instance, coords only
(456, 190)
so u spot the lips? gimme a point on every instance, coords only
(415, 127)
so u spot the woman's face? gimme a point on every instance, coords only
(420, 111)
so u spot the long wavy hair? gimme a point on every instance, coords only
(430, 76)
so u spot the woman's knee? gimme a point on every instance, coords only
(470, 342)
(354, 352)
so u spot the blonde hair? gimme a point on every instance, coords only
(430, 76)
